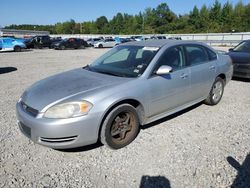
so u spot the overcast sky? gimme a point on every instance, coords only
(53, 11)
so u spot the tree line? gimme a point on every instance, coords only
(213, 19)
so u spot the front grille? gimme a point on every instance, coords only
(31, 111)
(58, 140)
(26, 130)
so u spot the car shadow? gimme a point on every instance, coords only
(241, 79)
(167, 118)
(82, 149)
(242, 179)
(4, 70)
(154, 182)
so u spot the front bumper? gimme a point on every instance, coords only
(241, 70)
(59, 133)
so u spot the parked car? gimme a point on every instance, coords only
(240, 55)
(55, 39)
(120, 40)
(106, 43)
(11, 44)
(73, 43)
(158, 37)
(175, 38)
(43, 41)
(137, 38)
(129, 86)
(92, 41)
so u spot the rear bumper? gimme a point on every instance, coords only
(59, 133)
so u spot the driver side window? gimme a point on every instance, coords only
(173, 57)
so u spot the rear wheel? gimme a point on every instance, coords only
(17, 49)
(216, 92)
(120, 127)
(100, 46)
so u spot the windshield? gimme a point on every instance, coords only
(243, 47)
(124, 61)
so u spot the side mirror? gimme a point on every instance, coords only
(164, 69)
(230, 49)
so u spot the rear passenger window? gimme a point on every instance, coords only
(196, 55)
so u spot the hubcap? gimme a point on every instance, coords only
(122, 127)
(217, 91)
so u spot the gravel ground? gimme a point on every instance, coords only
(203, 147)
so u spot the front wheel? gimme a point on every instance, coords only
(216, 92)
(120, 127)
(17, 49)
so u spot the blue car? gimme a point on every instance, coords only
(11, 44)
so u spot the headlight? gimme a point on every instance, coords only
(68, 110)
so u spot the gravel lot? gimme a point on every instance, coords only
(203, 147)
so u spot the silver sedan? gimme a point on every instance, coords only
(130, 86)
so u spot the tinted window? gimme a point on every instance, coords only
(196, 55)
(243, 47)
(173, 57)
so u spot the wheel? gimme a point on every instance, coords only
(216, 92)
(17, 49)
(120, 127)
(100, 46)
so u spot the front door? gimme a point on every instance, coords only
(169, 91)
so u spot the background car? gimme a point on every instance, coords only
(120, 40)
(106, 43)
(240, 55)
(158, 37)
(73, 43)
(11, 44)
(43, 41)
(129, 86)
(92, 41)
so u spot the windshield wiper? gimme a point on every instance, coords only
(109, 73)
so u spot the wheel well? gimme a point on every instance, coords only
(136, 104)
(223, 77)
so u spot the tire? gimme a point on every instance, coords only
(121, 116)
(100, 46)
(17, 49)
(216, 92)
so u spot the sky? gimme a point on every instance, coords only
(43, 12)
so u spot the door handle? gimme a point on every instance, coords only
(212, 67)
(184, 76)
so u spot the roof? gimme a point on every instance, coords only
(159, 43)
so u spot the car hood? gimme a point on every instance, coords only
(65, 85)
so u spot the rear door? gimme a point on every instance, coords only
(203, 70)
